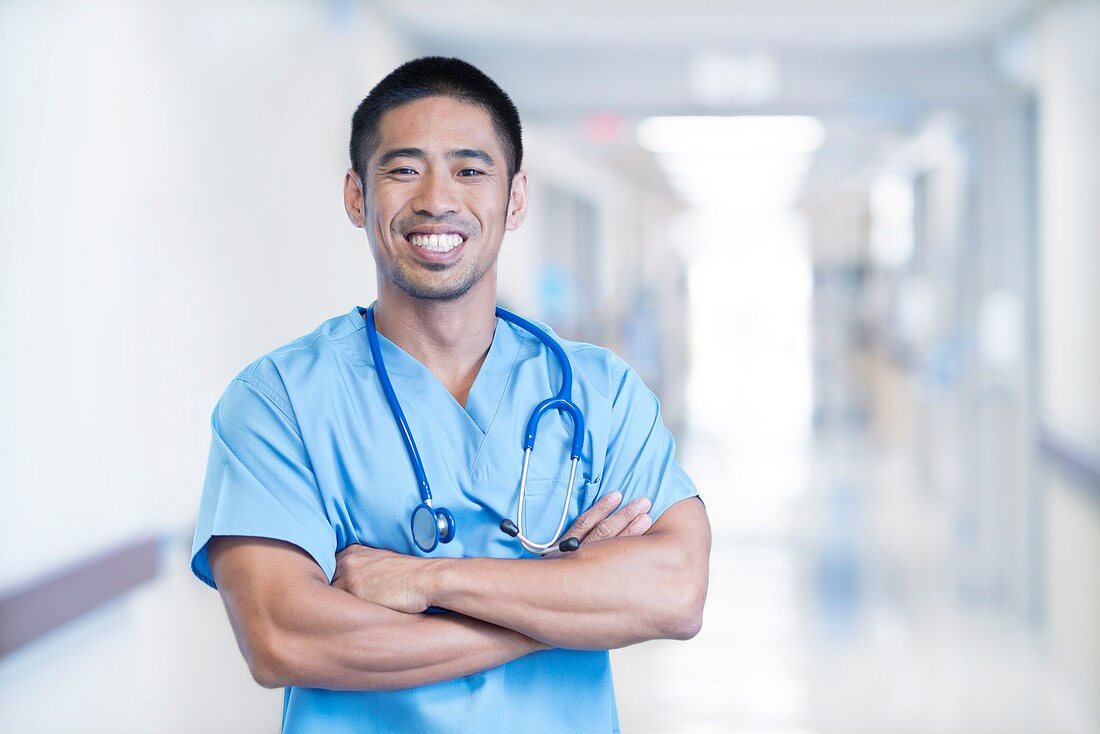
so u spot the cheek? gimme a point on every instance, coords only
(382, 222)
(383, 210)
(377, 232)
(494, 213)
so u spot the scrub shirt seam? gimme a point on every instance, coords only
(583, 347)
(622, 384)
(496, 412)
(267, 392)
(288, 349)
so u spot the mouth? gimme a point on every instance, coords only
(435, 242)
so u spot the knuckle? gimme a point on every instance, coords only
(603, 530)
(636, 526)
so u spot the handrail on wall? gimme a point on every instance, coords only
(45, 603)
(1073, 460)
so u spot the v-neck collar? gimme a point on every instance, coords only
(486, 393)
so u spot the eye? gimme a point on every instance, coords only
(403, 171)
(467, 172)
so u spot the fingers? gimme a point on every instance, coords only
(637, 526)
(601, 521)
(593, 515)
(613, 526)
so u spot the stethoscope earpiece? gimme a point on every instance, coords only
(566, 546)
(569, 545)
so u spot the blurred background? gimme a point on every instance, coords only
(854, 246)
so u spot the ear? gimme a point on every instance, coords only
(517, 201)
(354, 199)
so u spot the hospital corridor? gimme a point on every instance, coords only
(852, 247)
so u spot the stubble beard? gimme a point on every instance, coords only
(398, 273)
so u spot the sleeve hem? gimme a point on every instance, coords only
(668, 497)
(200, 564)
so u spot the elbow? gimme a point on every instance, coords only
(267, 677)
(269, 664)
(684, 614)
(685, 625)
(267, 674)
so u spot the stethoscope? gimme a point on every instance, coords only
(430, 525)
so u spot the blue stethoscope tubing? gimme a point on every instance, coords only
(431, 526)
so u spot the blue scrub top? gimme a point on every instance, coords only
(305, 450)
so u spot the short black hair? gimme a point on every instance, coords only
(435, 76)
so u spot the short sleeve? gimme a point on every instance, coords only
(641, 453)
(259, 480)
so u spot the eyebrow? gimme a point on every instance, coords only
(418, 153)
(474, 153)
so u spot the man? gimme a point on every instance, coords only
(304, 522)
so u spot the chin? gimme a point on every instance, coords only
(434, 289)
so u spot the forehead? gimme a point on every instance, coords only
(438, 124)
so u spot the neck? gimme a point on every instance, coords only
(450, 338)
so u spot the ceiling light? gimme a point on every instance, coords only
(724, 134)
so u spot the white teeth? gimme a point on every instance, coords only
(436, 242)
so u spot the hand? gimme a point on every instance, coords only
(383, 577)
(598, 523)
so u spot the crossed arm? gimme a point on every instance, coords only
(627, 583)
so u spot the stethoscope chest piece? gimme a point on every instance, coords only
(430, 527)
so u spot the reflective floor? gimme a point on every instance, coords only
(831, 608)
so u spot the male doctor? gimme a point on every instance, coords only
(304, 521)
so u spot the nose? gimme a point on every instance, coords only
(436, 196)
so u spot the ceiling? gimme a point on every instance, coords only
(872, 70)
(802, 23)
(877, 59)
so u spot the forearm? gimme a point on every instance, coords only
(294, 629)
(606, 595)
(610, 593)
(338, 642)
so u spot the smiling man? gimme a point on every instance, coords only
(306, 527)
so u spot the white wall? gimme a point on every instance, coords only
(170, 208)
(1069, 237)
(1069, 230)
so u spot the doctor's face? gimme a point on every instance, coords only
(438, 198)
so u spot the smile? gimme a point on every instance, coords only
(435, 242)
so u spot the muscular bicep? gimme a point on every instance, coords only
(685, 520)
(684, 531)
(260, 565)
(262, 582)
